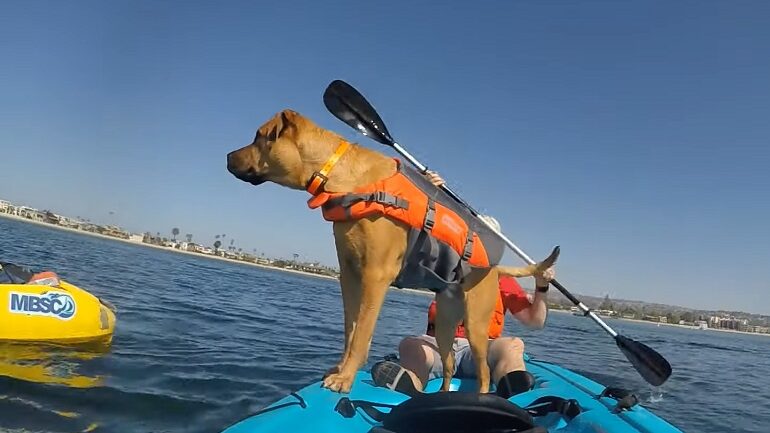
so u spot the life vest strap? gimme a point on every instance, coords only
(430, 216)
(468, 250)
(347, 200)
(464, 267)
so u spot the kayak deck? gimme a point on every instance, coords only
(316, 406)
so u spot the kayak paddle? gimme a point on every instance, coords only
(349, 105)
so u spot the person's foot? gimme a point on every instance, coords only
(391, 375)
(514, 383)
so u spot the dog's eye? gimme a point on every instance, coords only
(261, 142)
(272, 135)
(264, 144)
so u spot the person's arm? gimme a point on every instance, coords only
(534, 315)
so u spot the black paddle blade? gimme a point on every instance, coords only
(650, 364)
(348, 105)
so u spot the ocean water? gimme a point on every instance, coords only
(200, 344)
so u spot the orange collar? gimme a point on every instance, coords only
(319, 178)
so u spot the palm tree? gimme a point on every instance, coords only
(175, 232)
(217, 244)
(189, 237)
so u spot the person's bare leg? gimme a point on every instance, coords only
(417, 357)
(506, 354)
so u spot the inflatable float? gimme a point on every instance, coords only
(41, 307)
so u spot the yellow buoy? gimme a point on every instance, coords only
(43, 308)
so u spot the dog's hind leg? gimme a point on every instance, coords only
(449, 311)
(479, 305)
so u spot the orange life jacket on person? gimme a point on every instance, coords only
(445, 241)
(496, 323)
(45, 278)
(511, 297)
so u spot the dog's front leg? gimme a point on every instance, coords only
(449, 311)
(350, 285)
(374, 286)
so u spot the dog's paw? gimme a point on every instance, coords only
(550, 260)
(338, 382)
(334, 370)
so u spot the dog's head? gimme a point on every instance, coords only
(279, 153)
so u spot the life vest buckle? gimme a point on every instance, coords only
(381, 197)
(430, 216)
(316, 183)
(468, 250)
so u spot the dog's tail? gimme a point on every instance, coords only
(528, 271)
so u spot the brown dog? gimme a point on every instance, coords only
(288, 150)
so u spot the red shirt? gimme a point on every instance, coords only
(512, 298)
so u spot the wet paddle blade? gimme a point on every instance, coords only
(650, 364)
(348, 105)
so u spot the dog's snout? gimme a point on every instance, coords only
(241, 169)
(231, 166)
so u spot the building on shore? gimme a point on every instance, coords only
(728, 322)
(113, 231)
(5, 206)
(68, 222)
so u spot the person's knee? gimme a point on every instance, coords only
(506, 354)
(419, 357)
(415, 350)
(508, 344)
(515, 343)
(410, 346)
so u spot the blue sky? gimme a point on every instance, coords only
(633, 134)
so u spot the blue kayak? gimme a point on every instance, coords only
(560, 401)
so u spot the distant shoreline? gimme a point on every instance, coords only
(695, 328)
(732, 331)
(309, 274)
(189, 253)
(173, 250)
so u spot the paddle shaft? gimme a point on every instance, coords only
(586, 311)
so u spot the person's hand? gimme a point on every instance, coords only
(434, 178)
(542, 279)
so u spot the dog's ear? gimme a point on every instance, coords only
(281, 122)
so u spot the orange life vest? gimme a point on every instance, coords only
(398, 198)
(428, 211)
(46, 278)
(496, 322)
(512, 298)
